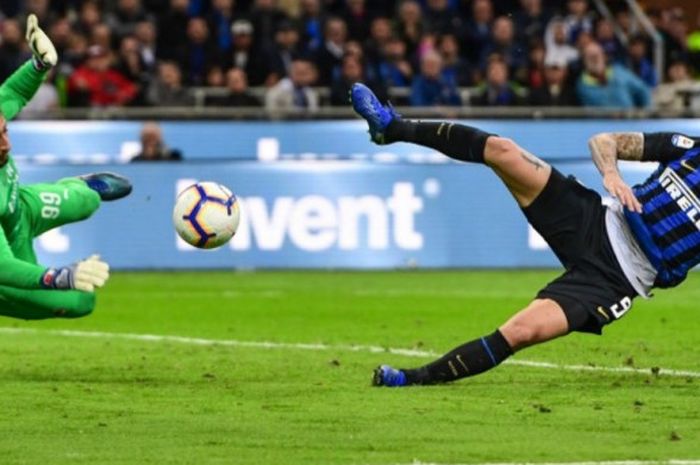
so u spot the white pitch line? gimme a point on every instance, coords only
(612, 462)
(342, 347)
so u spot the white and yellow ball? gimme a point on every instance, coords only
(206, 215)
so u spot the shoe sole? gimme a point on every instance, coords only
(377, 379)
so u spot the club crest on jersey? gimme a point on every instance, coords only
(682, 141)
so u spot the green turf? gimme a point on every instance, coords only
(107, 401)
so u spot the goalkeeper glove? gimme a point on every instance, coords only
(85, 275)
(43, 51)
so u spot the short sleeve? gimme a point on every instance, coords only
(665, 147)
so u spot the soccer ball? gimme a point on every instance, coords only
(206, 215)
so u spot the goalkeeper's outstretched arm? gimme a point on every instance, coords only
(21, 86)
(85, 275)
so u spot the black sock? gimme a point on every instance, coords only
(457, 141)
(470, 359)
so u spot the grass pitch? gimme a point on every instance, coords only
(104, 400)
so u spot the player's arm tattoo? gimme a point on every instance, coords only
(607, 148)
(533, 160)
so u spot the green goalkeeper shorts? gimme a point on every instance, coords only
(44, 207)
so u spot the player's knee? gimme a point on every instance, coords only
(500, 150)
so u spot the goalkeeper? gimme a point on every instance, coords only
(27, 289)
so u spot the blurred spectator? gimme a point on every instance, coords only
(266, 18)
(125, 17)
(535, 67)
(357, 19)
(676, 30)
(220, 19)
(294, 92)
(623, 18)
(279, 56)
(431, 87)
(12, 51)
(96, 84)
(243, 55)
(605, 36)
(40, 8)
(393, 68)
(556, 90)
(330, 53)
(601, 85)
(352, 71)
(379, 34)
(389, 37)
(174, 18)
(10, 8)
(130, 65)
(441, 18)
(145, 33)
(454, 67)
(531, 20)
(311, 24)
(215, 77)
(238, 93)
(477, 30)
(102, 35)
(197, 54)
(167, 88)
(503, 44)
(89, 17)
(639, 61)
(410, 24)
(497, 90)
(153, 147)
(60, 33)
(680, 92)
(694, 46)
(556, 40)
(578, 20)
(291, 8)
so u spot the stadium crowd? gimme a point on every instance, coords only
(517, 52)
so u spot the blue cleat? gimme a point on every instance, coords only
(110, 186)
(384, 375)
(368, 106)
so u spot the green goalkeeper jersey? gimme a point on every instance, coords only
(15, 92)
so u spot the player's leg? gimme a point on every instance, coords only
(524, 174)
(53, 205)
(41, 304)
(71, 199)
(541, 321)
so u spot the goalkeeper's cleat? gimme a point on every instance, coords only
(110, 186)
(384, 375)
(368, 106)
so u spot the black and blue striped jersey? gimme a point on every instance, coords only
(668, 229)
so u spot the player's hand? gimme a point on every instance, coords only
(619, 189)
(86, 275)
(44, 52)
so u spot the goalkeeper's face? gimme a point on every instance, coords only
(4, 141)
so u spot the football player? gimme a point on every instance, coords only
(27, 289)
(649, 237)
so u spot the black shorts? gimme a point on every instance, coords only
(593, 291)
